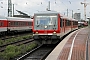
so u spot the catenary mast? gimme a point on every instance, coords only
(9, 8)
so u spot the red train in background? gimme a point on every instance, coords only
(82, 24)
(50, 26)
(14, 24)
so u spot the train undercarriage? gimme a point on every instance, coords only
(45, 39)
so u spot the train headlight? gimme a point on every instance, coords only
(45, 26)
(36, 32)
(54, 32)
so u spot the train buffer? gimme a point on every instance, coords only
(76, 46)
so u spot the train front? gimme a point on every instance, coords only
(45, 27)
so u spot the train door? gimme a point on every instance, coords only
(61, 24)
(61, 27)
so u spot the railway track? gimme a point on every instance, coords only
(16, 42)
(38, 53)
(2, 48)
(13, 36)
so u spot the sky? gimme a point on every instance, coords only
(32, 6)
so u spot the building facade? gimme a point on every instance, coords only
(77, 16)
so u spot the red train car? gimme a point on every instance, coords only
(82, 24)
(49, 27)
(14, 24)
(19, 24)
(3, 25)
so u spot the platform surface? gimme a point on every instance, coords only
(73, 47)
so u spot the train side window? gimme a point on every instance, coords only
(16, 23)
(30, 23)
(25, 23)
(65, 22)
(69, 22)
(73, 22)
(22, 23)
(1, 23)
(19, 23)
(11, 23)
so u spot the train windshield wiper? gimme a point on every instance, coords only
(38, 25)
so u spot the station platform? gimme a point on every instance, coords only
(76, 46)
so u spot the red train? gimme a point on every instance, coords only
(49, 27)
(14, 24)
(82, 24)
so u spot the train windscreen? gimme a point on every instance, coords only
(45, 22)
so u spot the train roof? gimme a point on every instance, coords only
(55, 12)
(47, 12)
(2, 18)
(69, 18)
(19, 19)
